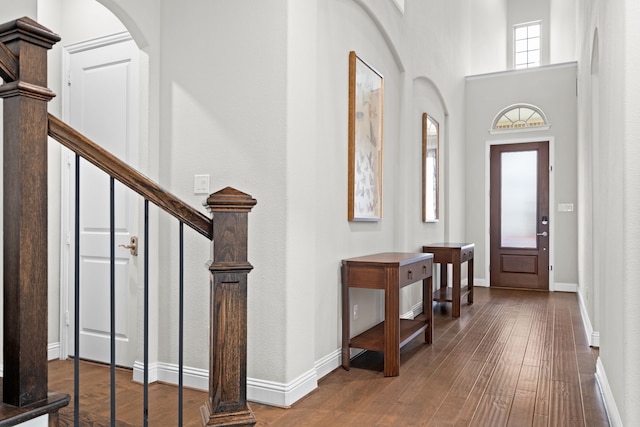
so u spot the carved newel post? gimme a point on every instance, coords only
(227, 402)
(23, 58)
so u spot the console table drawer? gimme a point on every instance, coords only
(413, 272)
(466, 254)
(364, 276)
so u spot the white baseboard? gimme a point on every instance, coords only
(53, 351)
(168, 373)
(260, 391)
(558, 287)
(565, 287)
(593, 337)
(328, 363)
(413, 311)
(480, 282)
(607, 394)
(279, 394)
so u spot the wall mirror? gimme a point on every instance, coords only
(430, 172)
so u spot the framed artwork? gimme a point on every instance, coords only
(430, 159)
(365, 141)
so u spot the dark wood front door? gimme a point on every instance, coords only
(519, 224)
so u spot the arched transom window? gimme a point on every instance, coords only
(520, 117)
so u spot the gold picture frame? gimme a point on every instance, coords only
(366, 91)
(430, 169)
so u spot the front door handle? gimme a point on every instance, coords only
(132, 246)
(543, 234)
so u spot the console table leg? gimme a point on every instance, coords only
(455, 304)
(444, 272)
(346, 326)
(470, 279)
(427, 307)
(391, 324)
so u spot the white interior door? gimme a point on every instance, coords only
(102, 103)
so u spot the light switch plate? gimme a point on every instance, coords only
(565, 207)
(201, 184)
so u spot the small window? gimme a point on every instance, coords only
(526, 42)
(520, 117)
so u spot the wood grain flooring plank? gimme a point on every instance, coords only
(504, 379)
(535, 344)
(524, 400)
(595, 412)
(565, 407)
(521, 412)
(443, 417)
(515, 349)
(493, 410)
(543, 395)
(540, 420)
(468, 410)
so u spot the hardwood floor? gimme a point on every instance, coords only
(514, 358)
(95, 398)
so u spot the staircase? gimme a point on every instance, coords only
(27, 125)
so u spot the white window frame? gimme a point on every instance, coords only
(528, 41)
(494, 130)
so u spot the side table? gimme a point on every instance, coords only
(388, 272)
(455, 254)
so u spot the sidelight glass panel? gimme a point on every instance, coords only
(519, 199)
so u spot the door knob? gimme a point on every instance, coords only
(543, 234)
(132, 246)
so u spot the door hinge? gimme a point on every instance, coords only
(550, 168)
(551, 268)
(66, 318)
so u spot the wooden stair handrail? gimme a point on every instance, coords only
(107, 162)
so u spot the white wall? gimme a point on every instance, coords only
(563, 16)
(303, 206)
(488, 37)
(612, 233)
(631, 194)
(552, 89)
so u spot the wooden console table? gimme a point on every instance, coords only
(455, 254)
(388, 272)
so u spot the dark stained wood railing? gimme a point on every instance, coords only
(23, 67)
(25, 96)
(113, 166)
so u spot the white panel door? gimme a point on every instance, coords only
(103, 105)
